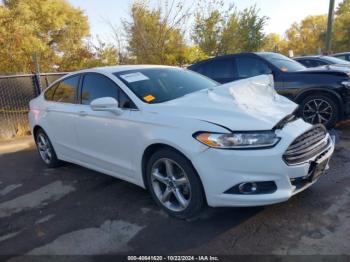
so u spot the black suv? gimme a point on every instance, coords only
(322, 93)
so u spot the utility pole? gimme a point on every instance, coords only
(329, 27)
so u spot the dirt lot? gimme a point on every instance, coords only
(72, 210)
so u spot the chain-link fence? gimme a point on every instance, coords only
(15, 93)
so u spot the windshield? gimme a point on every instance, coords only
(335, 60)
(157, 85)
(282, 62)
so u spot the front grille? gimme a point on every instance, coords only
(307, 145)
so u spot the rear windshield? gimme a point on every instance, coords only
(157, 85)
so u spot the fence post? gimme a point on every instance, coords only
(36, 83)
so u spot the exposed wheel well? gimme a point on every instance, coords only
(150, 150)
(148, 153)
(36, 129)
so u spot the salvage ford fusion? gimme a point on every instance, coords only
(186, 138)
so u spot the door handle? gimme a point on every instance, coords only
(83, 113)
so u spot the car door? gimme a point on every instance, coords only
(60, 115)
(104, 138)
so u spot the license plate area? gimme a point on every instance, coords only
(319, 169)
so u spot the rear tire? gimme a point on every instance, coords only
(46, 150)
(319, 108)
(174, 184)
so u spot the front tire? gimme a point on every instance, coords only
(319, 109)
(46, 150)
(174, 184)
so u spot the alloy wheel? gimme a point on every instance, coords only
(318, 111)
(44, 148)
(171, 184)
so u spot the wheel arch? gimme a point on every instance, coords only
(148, 152)
(319, 91)
(151, 149)
(36, 128)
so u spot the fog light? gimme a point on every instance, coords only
(248, 188)
(253, 188)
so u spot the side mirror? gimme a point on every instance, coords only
(106, 104)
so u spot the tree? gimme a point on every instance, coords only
(155, 36)
(230, 35)
(90, 55)
(222, 32)
(308, 36)
(49, 29)
(214, 28)
(250, 28)
(341, 32)
(206, 32)
(271, 43)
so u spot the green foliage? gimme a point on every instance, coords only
(154, 36)
(89, 56)
(222, 32)
(193, 54)
(273, 43)
(207, 31)
(343, 8)
(51, 30)
(230, 35)
(341, 31)
(58, 35)
(250, 28)
(308, 36)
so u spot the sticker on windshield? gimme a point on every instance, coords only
(134, 77)
(149, 98)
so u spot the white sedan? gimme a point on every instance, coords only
(190, 141)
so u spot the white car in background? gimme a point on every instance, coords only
(186, 138)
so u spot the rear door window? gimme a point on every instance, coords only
(49, 92)
(66, 90)
(221, 70)
(251, 66)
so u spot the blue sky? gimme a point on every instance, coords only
(282, 13)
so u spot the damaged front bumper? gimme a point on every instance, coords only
(224, 171)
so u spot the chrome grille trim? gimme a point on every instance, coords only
(308, 145)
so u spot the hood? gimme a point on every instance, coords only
(248, 104)
(336, 69)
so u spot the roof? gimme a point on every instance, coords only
(265, 53)
(308, 56)
(119, 68)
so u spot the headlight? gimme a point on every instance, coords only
(346, 83)
(258, 139)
